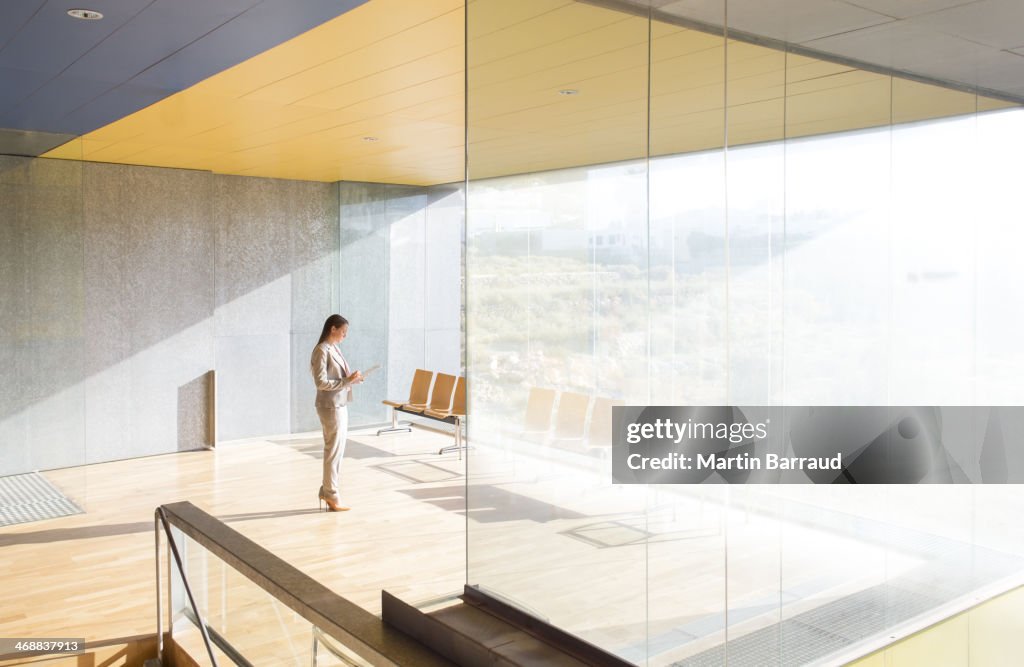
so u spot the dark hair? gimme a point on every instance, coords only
(333, 322)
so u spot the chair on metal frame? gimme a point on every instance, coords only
(454, 415)
(419, 393)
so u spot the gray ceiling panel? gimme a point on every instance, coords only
(52, 40)
(14, 15)
(149, 37)
(963, 43)
(898, 45)
(54, 100)
(995, 23)
(17, 83)
(997, 70)
(784, 19)
(902, 9)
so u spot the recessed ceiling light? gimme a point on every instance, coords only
(568, 91)
(370, 139)
(85, 14)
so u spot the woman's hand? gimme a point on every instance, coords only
(355, 378)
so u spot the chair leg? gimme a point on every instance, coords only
(395, 428)
(458, 446)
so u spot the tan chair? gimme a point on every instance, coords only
(458, 406)
(440, 396)
(599, 435)
(453, 415)
(419, 392)
(571, 418)
(539, 405)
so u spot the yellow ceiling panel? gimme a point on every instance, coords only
(848, 78)
(394, 70)
(120, 151)
(385, 68)
(757, 122)
(681, 43)
(448, 62)
(408, 47)
(171, 156)
(913, 101)
(866, 104)
(234, 138)
(399, 100)
(617, 43)
(989, 104)
(554, 26)
(72, 150)
(488, 17)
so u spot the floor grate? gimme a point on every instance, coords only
(31, 497)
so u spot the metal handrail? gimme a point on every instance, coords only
(161, 518)
(369, 640)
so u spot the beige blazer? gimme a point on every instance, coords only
(329, 370)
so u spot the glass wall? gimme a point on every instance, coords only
(661, 214)
(410, 236)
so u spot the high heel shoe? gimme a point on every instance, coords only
(331, 505)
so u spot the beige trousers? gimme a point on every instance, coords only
(335, 424)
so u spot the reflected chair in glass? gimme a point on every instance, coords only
(570, 420)
(599, 433)
(540, 405)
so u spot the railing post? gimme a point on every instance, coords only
(188, 589)
(159, 611)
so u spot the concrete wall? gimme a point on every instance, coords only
(276, 282)
(121, 287)
(43, 330)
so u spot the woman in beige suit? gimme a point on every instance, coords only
(334, 383)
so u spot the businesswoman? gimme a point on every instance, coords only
(334, 383)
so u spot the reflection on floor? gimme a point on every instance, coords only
(662, 574)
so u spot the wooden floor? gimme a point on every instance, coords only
(619, 565)
(92, 575)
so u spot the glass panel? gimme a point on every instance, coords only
(246, 618)
(755, 165)
(816, 234)
(688, 325)
(836, 328)
(557, 307)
